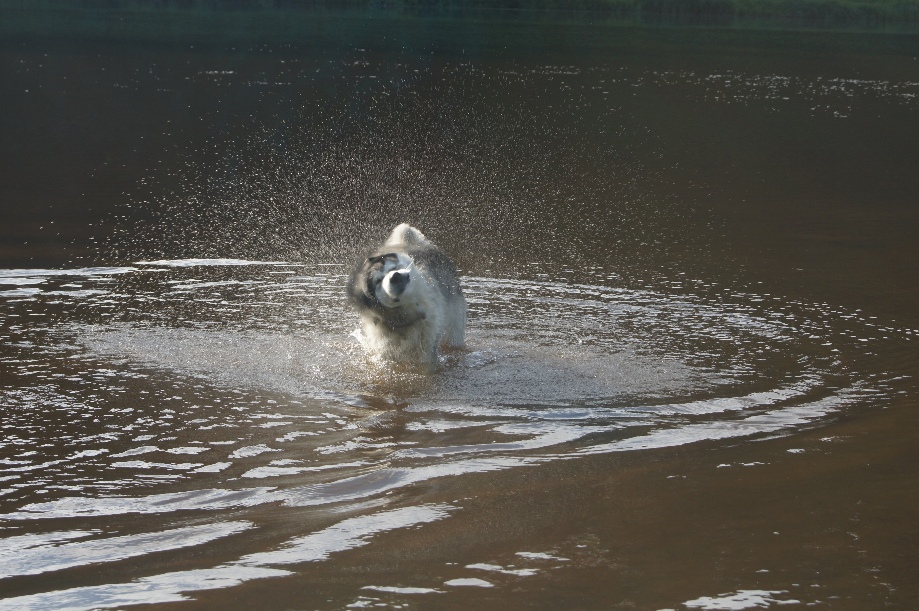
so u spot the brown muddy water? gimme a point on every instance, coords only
(690, 380)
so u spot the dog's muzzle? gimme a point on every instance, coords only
(398, 280)
(395, 282)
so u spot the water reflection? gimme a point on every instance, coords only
(182, 412)
(34, 554)
(169, 587)
(226, 372)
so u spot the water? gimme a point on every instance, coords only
(689, 379)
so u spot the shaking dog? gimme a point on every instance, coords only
(409, 299)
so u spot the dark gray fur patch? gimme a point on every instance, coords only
(432, 262)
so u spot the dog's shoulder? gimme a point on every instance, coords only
(437, 266)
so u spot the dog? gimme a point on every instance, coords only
(408, 296)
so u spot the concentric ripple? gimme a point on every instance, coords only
(246, 371)
(174, 387)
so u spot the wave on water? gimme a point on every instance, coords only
(217, 387)
(215, 356)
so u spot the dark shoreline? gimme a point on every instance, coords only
(461, 28)
(784, 13)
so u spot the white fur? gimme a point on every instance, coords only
(426, 318)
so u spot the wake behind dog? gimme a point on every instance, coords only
(408, 296)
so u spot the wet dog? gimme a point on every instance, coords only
(409, 299)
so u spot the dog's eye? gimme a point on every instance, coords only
(374, 280)
(382, 260)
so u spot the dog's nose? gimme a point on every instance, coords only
(398, 279)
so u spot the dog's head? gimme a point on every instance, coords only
(384, 280)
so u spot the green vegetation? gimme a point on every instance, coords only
(462, 26)
(793, 12)
(800, 13)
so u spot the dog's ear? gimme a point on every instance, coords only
(370, 267)
(367, 270)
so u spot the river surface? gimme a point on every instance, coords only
(690, 378)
